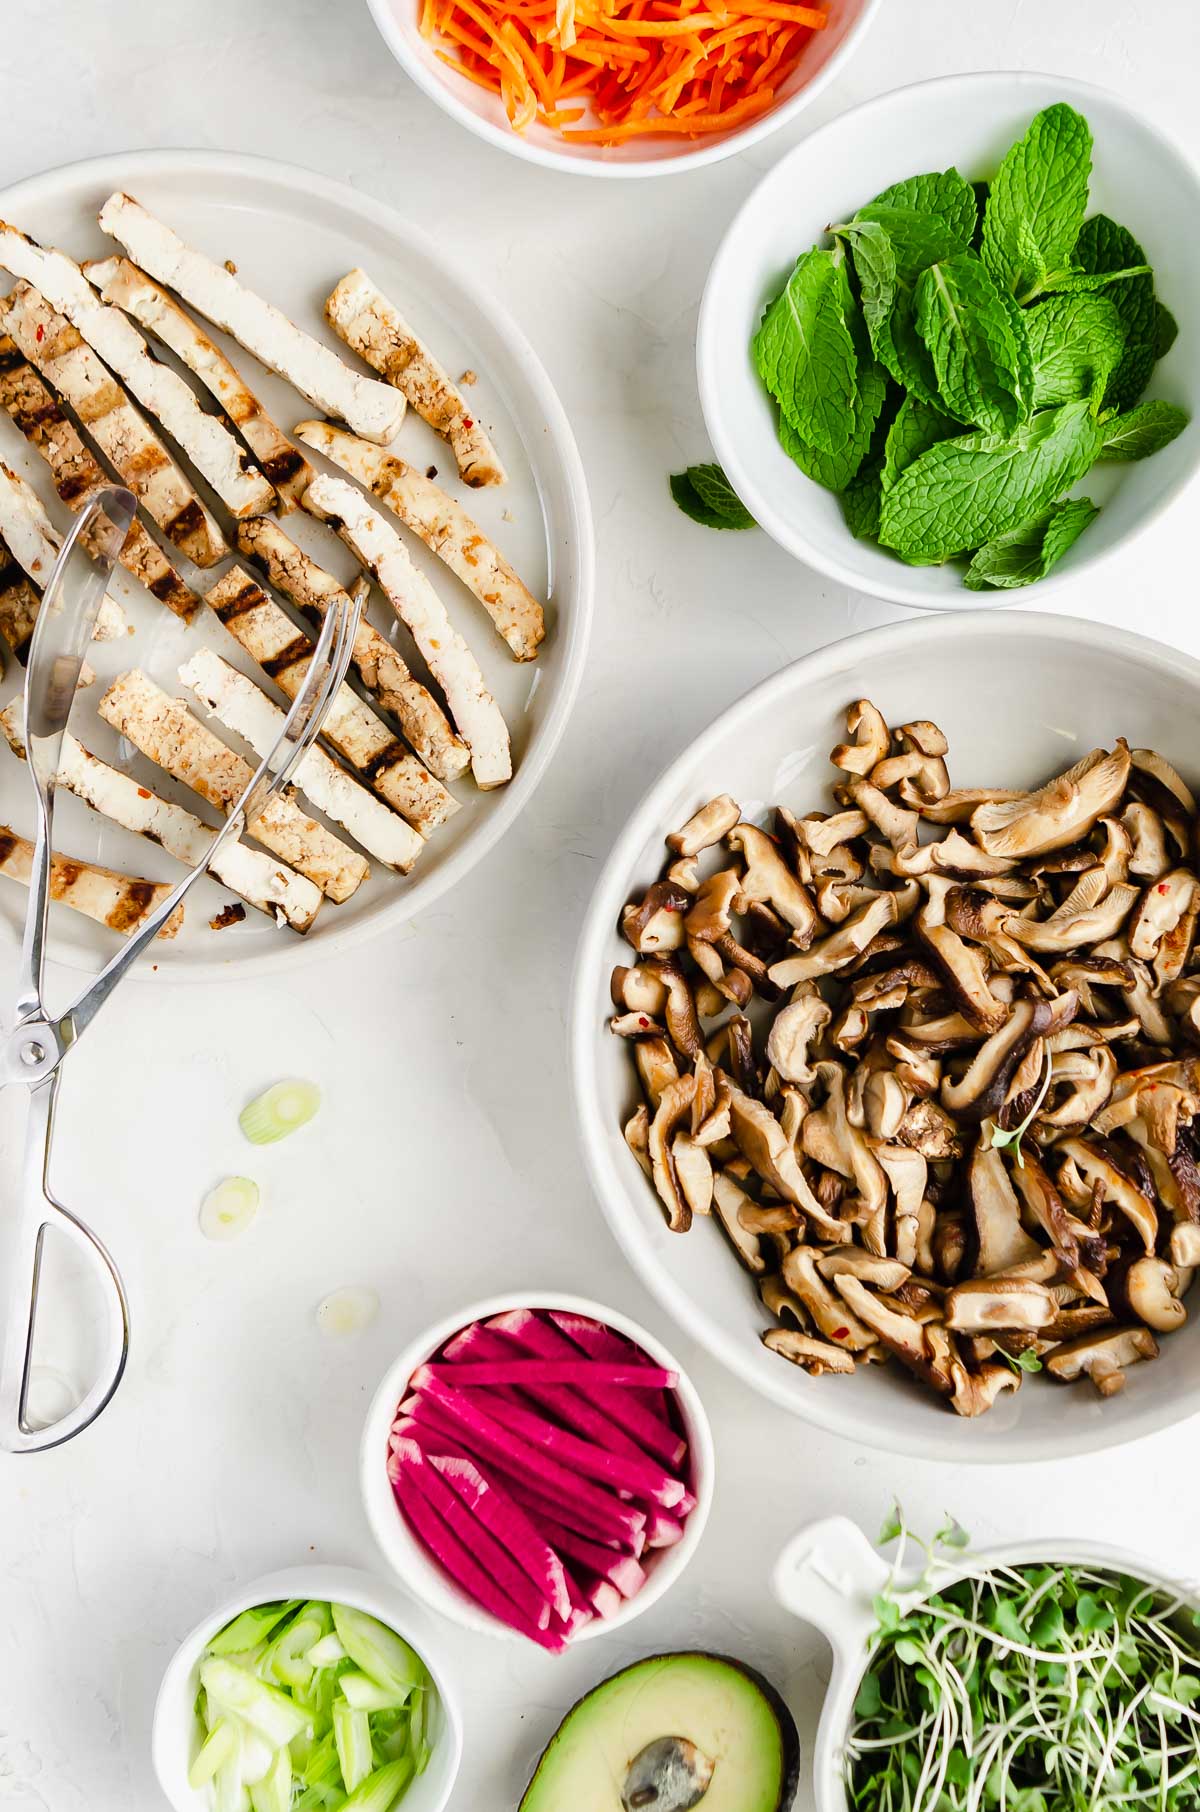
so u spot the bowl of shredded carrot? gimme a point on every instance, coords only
(622, 87)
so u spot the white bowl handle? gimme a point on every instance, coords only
(829, 1574)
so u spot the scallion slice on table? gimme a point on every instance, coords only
(279, 1111)
(1047, 1687)
(229, 1209)
(310, 1707)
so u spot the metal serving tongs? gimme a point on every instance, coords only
(32, 1053)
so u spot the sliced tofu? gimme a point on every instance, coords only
(119, 901)
(242, 707)
(30, 535)
(269, 636)
(255, 877)
(166, 733)
(124, 436)
(20, 601)
(375, 329)
(444, 526)
(78, 475)
(372, 409)
(380, 667)
(210, 446)
(125, 286)
(378, 548)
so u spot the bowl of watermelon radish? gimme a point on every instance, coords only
(537, 1467)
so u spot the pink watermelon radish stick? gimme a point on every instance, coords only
(617, 1471)
(599, 1342)
(508, 1523)
(662, 1531)
(491, 1440)
(493, 1557)
(637, 1417)
(462, 1567)
(585, 1375)
(572, 1410)
(540, 1507)
(621, 1570)
(603, 1598)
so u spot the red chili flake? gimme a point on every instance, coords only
(467, 422)
(1161, 888)
(40, 335)
(144, 792)
(841, 1333)
(642, 1020)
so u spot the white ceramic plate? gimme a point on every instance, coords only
(1138, 176)
(292, 234)
(1020, 696)
(653, 155)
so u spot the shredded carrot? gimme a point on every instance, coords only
(638, 67)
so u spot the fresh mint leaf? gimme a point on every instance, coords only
(965, 492)
(862, 497)
(875, 268)
(1075, 282)
(1144, 430)
(974, 343)
(1022, 557)
(804, 353)
(1076, 343)
(917, 427)
(918, 238)
(1105, 246)
(1037, 201)
(1166, 330)
(706, 495)
(836, 470)
(941, 192)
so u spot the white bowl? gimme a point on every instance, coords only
(829, 1575)
(175, 1739)
(416, 1567)
(1020, 696)
(655, 155)
(1139, 177)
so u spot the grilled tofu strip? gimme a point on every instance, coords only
(267, 633)
(372, 409)
(207, 442)
(378, 548)
(20, 601)
(124, 436)
(77, 475)
(166, 733)
(380, 667)
(254, 876)
(125, 286)
(29, 534)
(118, 901)
(444, 526)
(375, 329)
(241, 706)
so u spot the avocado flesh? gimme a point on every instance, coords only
(704, 1698)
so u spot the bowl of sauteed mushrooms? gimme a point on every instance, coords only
(886, 1037)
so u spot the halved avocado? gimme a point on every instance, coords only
(671, 1733)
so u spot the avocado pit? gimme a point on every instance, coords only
(669, 1775)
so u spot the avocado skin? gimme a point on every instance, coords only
(788, 1734)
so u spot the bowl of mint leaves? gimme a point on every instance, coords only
(939, 353)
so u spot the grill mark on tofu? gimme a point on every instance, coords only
(445, 528)
(122, 902)
(374, 328)
(125, 286)
(167, 734)
(77, 474)
(379, 665)
(33, 541)
(268, 635)
(122, 433)
(369, 407)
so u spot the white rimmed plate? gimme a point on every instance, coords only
(1020, 696)
(292, 234)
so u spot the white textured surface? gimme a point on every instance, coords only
(444, 1162)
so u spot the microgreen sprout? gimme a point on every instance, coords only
(1044, 1687)
(1024, 1361)
(1000, 1138)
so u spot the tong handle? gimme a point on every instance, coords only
(23, 1227)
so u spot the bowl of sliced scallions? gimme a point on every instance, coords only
(315, 1687)
(1042, 1677)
